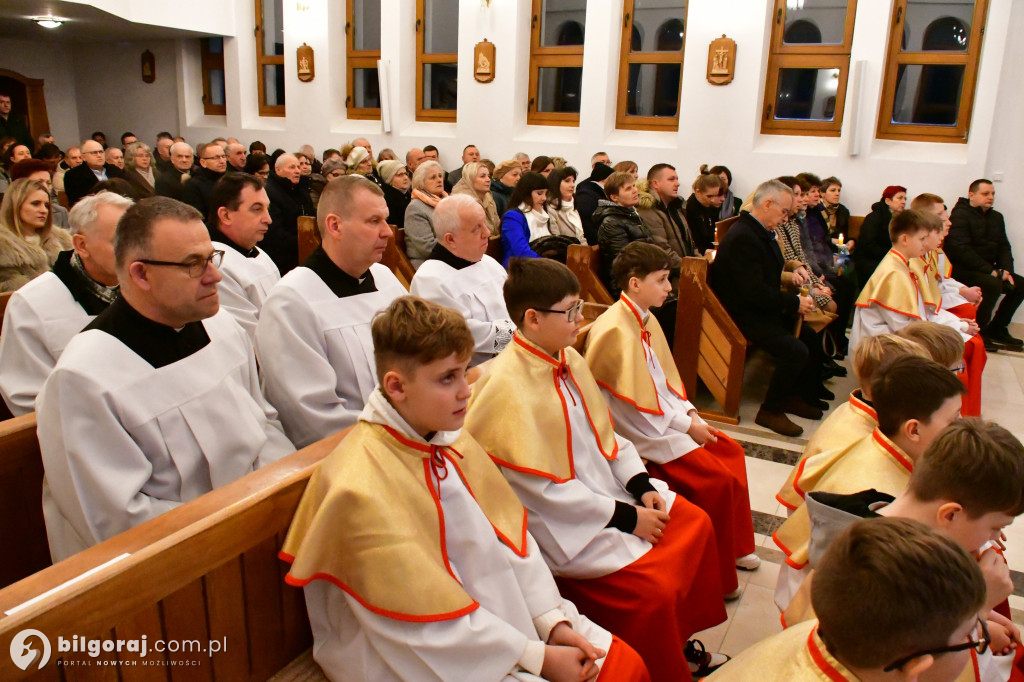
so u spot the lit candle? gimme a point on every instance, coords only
(840, 239)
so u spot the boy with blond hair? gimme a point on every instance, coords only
(629, 357)
(413, 550)
(636, 557)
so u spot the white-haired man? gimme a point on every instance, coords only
(43, 315)
(288, 202)
(459, 274)
(171, 183)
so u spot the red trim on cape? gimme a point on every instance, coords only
(636, 314)
(659, 412)
(819, 660)
(872, 301)
(904, 461)
(859, 404)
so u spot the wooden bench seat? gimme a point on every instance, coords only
(22, 529)
(396, 260)
(207, 570)
(309, 236)
(584, 262)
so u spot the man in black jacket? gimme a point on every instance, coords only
(213, 162)
(747, 276)
(588, 193)
(980, 253)
(80, 180)
(171, 183)
(287, 202)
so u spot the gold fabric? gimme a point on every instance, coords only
(893, 286)
(926, 270)
(850, 423)
(796, 654)
(874, 462)
(618, 358)
(370, 522)
(519, 413)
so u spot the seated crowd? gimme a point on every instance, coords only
(170, 340)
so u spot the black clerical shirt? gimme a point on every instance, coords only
(445, 256)
(156, 343)
(337, 280)
(217, 236)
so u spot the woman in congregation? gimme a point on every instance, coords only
(628, 167)
(874, 240)
(138, 169)
(838, 216)
(29, 243)
(730, 202)
(259, 165)
(476, 182)
(702, 210)
(565, 219)
(503, 180)
(543, 165)
(37, 169)
(359, 161)
(526, 219)
(427, 191)
(397, 189)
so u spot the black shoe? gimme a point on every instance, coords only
(778, 422)
(702, 662)
(831, 368)
(990, 345)
(797, 406)
(826, 394)
(1003, 338)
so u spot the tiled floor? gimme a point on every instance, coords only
(754, 615)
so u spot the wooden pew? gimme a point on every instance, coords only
(495, 250)
(62, 199)
(205, 571)
(708, 344)
(309, 236)
(584, 262)
(855, 222)
(5, 298)
(591, 311)
(396, 259)
(22, 530)
(722, 226)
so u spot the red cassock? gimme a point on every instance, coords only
(974, 364)
(623, 664)
(653, 611)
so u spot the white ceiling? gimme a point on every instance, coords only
(84, 24)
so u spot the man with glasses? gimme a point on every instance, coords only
(80, 180)
(157, 401)
(213, 163)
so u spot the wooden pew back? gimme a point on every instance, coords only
(22, 529)
(855, 222)
(591, 311)
(722, 227)
(584, 262)
(205, 571)
(495, 250)
(5, 298)
(309, 236)
(396, 259)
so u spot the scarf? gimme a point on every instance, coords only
(538, 221)
(428, 198)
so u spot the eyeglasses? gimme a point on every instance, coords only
(980, 645)
(571, 315)
(196, 267)
(211, 158)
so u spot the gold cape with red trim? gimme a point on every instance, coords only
(926, 270)
(518, 411)
(617, 357)
(370, 523)
(874, 462)
(892, 286)
(851, 422)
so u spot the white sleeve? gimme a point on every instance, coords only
(878, 320)
(233, 299)
(944, 317)
(278, 445)
(298, 379)
(25, 360)
(627, 462)
(94, 469)
(490, 336)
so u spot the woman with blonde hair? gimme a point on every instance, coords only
(138, 169)
(427, 191)
(628, 167)
(29, 243)
(476, 183)
(504, 178)
(702, 210)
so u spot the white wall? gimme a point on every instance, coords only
(51, 62)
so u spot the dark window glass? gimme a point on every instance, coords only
(653, 90)
(366, 24)
(938, 27)
(558, 89)
(440, 26)
(815, 22)
(928, 94)
(273, 84)
(440, 86)
(367, 89)
(806, 94)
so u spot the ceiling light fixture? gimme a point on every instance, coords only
(49, 22)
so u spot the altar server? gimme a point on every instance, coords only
(630, 358)
(43, 315)
(637, 558)
(412, 549)
(157, 401)
(459, 274)
(313, 337)
(239, 217)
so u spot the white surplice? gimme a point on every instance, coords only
(122, 442)
(568, 519)
(316, 352)
(245, 283)
(949, 287)
(41, 318)
(476, 292)
(503, 639)
(875, 320)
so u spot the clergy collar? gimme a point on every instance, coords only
(90, 294)
(217, 236)
(439, 252)
(337, 280)
(156, 343)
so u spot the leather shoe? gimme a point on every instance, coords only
(826, 394)
(777, 422)
(1002, 337)
(797, 406)
(831, 368)
(990, 345)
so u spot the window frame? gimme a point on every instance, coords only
(423, 58)
(262, 59)
(357, 59)
(627, 58)
(567, 56)
(895, 57)
(806, 56)
(210, 61)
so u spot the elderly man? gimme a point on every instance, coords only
(79, 181)
(132, 420)
(287, 203)
(43, 315)
(236, 157)
(163, 153)
(213, 163)
(524, 160)
(664, 212)
(171, 183)
(114, 157)
(747, 277)
(980, 253)
(313, 336)
(413, 158)
(470, 154)
(72, 159)
(239, 218)
(459, 274)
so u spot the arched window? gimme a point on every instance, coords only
(556, 64)
(650, 80)
(437, 47)
(270, 57)
(362, 30)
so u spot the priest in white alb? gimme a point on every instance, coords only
(157, 401)
(43, 315)
(313, 338)
(239, 218)
(459, 274)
